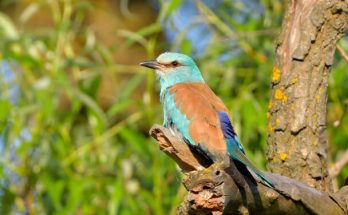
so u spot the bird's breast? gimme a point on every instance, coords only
(191, 110)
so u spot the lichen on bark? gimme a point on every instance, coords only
(297, 137)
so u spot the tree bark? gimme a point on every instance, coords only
(297, 139)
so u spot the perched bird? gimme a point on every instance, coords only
(194, 113)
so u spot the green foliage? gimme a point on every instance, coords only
(82, 158)
(337, 111)
(76, 158)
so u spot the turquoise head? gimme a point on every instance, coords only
(173, 68)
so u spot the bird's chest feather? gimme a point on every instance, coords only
(191, 113)
(176, 121)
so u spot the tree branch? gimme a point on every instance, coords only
(220, 189)
(175, 149)
(338, 166)
(342, 52)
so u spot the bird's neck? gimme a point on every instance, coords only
(183, 76)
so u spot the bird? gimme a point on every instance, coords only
(195, 114)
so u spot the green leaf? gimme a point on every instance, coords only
(169, 8)
(7, 27)
(5, 109)
(119, 107)
(136, 140)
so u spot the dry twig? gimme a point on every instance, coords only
(342, 52)
(339, 165)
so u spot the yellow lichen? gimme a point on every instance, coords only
(279, 95)
(270, 105)
(278, 121)
(275, 74)
(294, 81)
(283, 156)
(315, 142)
(268, 115)
(269, 128)
(210, 167)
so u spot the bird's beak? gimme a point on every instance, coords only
(151, 64)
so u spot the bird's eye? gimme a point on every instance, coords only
(175, 63)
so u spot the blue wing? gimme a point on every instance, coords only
(235, 148)
(228, 131)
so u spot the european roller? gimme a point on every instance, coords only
(195, 114)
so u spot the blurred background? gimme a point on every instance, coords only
(75, 107)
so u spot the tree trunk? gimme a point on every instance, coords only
(297, 139)
(297, 136)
